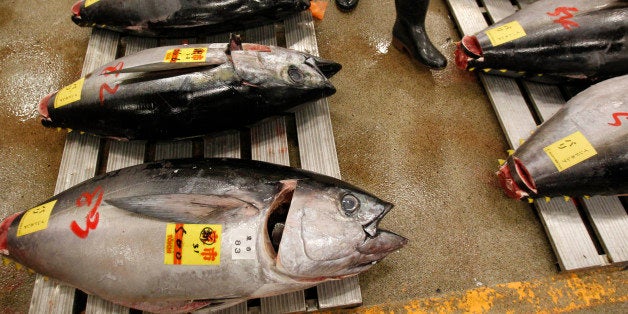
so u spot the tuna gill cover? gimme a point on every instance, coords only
(182, 18)
(582, 150)
(183, 91)
(177, 235)
(575, 39)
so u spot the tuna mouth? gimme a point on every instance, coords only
(468, 50)
(379, 242)
(512, 183)
(327, 67)
(374, 249)
(279, 213)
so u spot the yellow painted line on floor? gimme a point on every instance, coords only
(558, 294)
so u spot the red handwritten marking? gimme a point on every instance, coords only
(565, 19)
(92, 218)
(616, 116)
(105, 87)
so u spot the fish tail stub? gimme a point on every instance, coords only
(467, 49)
(4, 229)
(511, 184)
(43, 106)
(76, 8)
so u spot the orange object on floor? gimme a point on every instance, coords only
(318, 7)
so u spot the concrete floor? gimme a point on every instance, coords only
(425, 140)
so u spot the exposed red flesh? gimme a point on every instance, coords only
(76, 8)
(4, 228)
(43, 106)
(468, 47)
(255, 47)
(525, 176)
(508, 183)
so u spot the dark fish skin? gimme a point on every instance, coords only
(565, 40)
(182, 18)
(141, 97)
(108, 236)
(595, 163)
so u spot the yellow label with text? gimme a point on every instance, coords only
(90, 2)
(505, 33)
(35, 219)
(186, 55)
(570, 150)
(69, 94)
(192, 244)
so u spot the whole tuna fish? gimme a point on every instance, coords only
(575, 39)
(581, 150)
(183, 91)
(182, 18)
(177, 235)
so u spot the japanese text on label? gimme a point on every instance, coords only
(570, 151)
(69, 94)
(192, 244)
(186, 55)
(505, 33)
(35, 219)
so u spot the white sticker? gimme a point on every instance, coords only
(243, 243)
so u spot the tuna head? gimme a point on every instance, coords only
(284, 75)
(328, 231)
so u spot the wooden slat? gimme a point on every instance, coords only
(225, 144)
(610, 223)
(318, 153)
(78, 163)
(565, 228)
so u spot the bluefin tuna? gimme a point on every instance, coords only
(182, 18)
(190, 90)
(581, 150)
(559, 39)
(176, 235)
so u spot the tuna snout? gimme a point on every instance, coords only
(382, 244)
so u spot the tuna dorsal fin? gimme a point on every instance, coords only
(184, 208)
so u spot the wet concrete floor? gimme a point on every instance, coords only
(425, 140)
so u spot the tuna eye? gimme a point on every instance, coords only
(295, 74)
(350, 204)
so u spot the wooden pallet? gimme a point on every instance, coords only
(591, 235)
(270, 140)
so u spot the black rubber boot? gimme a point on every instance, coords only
(346, 5)
(409, 33)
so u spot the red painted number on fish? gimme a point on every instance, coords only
(91, 220)
(105, 87)
(616, 116)
(564, 20)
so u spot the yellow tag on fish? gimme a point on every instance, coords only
(570, 150)
(90, 2)
(35, 219)
(505, 33)
(69, 94)
(192, 244)
(186, 55)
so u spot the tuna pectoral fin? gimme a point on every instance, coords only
(185, 208)
(168, 66)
